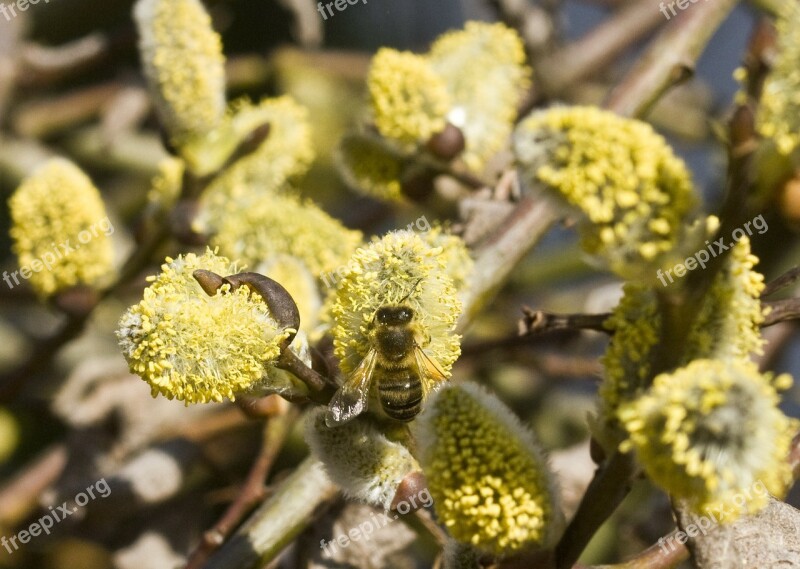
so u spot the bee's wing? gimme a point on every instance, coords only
(430, 372)
(351, 399)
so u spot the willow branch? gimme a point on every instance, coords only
(539, 322)
(20, 496)
(610, 485)
(598, 49)
(786, 279)
(253, 489)
(285, 514)
(670, 59)
(524, 228)
(655, 556)
(781, 311)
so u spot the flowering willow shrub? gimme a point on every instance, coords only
(266, 293)
(703, 430)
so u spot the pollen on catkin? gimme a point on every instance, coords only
(778, 115)
(283, 224)
(285, 155)
(634, 195)
(194, 347)
(409, 101)
(359, 458)
(726, 327)
(399, 268)
(709, 433)
(367, 166)
(165, 187)
(484, 69)
(455, 254)
(490, 483)
(729, 323)
(59, 224)
(183, 64)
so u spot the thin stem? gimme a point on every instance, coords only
(598, 49)
(656, 556)
(605, 493)
(252, 492)
(540, 322)
(786, 279)
(670, 59)
(521, 231)
(280, 519)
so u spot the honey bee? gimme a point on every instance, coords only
(401, 371)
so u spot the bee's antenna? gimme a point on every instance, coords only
(411, 291)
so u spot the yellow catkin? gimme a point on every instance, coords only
(633, 193)
(484, 69)
(779, 109)
(60, 229)
(490, 483)
(712, 434)
(194, 347)
(283, 224)
(409, 100)
(358, 457)
(184, 66)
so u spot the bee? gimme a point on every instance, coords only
(395, 362)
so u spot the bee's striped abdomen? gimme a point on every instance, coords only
(400, 393)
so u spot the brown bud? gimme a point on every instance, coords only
(182, 217)
(743, 129)
(281, 305)
(77, 300)
(408, 490)
(417, 183)
(447, 144)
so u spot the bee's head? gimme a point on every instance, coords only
(394, 315)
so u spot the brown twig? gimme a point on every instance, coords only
(781, 311)
(670, 59)
(540, 322)
(598, 49)
(786, 279)
(607, 490)
(19, 497)
(252, 491)
(286, 513)
(654, 557)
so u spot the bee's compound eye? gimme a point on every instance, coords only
(383, 316)
(405, 315)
